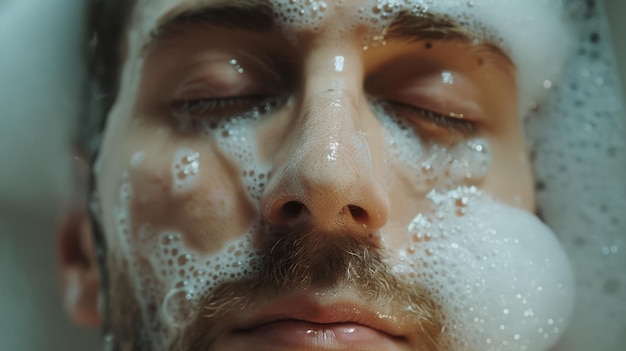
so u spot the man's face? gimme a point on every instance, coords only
(323, 175)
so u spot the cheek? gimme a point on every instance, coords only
(183, 187)
(182, 218)
(510, 178)
(191, 190)
(501, 277)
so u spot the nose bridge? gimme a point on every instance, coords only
(333, 149)
(333, 153)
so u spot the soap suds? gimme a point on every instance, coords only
(466, 248)
(185, 170)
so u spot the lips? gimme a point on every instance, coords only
(298, 334)
(299, 323)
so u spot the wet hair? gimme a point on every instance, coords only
(106, 25)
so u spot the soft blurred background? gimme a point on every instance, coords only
(39, 101)
(38, 105)
(616, 10)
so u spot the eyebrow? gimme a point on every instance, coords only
(429, 27)
(258, 16)
(251, 15)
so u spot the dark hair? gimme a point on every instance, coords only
(107, 21)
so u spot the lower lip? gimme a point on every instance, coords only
(295, 335)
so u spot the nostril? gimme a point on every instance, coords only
(292, 209)
(358, 213)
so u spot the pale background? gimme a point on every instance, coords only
(34, 177)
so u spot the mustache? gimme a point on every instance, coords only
(321, 261)
(324, 261)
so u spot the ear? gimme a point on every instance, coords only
(80, 280)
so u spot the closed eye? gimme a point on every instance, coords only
(418, 115)
(215, 109)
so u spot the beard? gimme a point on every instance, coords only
(290, 262)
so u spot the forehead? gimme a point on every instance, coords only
(483, 17)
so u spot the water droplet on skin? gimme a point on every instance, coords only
(447, 77)
(338, 63)
(137, 159)
(236, 66)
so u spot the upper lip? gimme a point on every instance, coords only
(306, 309)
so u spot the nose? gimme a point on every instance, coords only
(326, 179)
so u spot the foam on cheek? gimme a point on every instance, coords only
(137, 159)
(166, 272)
(500, 276)
(185, 170)
(433, 166)
(170, 280)
(188, 279)
(236, 139)
(176, 280)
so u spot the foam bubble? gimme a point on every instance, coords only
(185, 170)
(137, 159)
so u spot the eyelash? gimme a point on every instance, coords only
(462, 126)
(242, 106)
